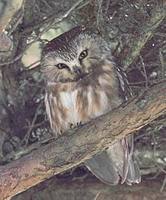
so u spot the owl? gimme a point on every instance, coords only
(82, 83)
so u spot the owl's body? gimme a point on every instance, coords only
(82, 101)
(82, 84)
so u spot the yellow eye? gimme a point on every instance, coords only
(83, 54)
(62, 66)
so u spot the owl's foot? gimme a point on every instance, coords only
(72, 126)
(79, 124)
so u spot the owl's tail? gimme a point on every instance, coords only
(116, 164)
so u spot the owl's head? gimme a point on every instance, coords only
(74, 55)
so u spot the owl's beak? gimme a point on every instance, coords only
(77, 70)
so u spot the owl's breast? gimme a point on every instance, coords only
(60, 110)
(67, 100)
(83, 104)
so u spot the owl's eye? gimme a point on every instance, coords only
(62, 66)
(83, 54)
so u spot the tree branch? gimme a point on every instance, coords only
(79, 145)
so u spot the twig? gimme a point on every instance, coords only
(107, 7)
(163, 65)
(33, 65)
(83, 5)
(99, 13)
(26, 138)
(36, 125)
(151, 82)
(97, 195)
(144, 71)
(163, 184)
(11, 61)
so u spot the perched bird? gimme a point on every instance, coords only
(82, 83)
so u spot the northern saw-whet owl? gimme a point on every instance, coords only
(82, 83)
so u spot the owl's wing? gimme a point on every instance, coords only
(116, 164)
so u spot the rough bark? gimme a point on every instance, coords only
(78, 145)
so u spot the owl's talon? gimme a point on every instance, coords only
(71, 126)
(79, 124)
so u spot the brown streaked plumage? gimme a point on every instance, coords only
(83, 83)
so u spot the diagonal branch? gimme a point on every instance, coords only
(78, 145)
(137, 43)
